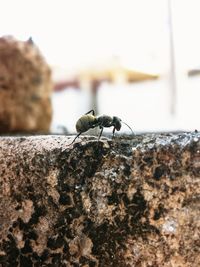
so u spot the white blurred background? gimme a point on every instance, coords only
(152, 37)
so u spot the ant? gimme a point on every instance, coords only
(90, 121)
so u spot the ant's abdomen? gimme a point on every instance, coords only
(85, 123)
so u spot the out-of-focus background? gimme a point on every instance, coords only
(136, 59)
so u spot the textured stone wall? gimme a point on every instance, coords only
(133, 201)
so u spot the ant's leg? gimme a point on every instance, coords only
(100, 133)
(75, 139)
(113, 135)
(91, 111)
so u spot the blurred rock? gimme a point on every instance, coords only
(133, 201)
(25, 88)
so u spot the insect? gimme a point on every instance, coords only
(90, 121)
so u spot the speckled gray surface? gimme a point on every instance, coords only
(133, 201)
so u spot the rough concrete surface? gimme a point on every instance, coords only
(131, 201)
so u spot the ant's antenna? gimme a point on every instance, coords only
(128, 126)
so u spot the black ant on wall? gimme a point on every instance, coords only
(90, 121)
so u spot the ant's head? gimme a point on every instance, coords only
(117, 123)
